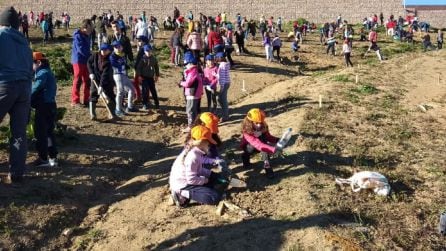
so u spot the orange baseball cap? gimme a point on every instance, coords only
(202, 132)
(210, 121)
(256, 115)
(38, 56)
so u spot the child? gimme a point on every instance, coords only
(123, 83)
(295, 47)
(175, 45)
(45, 28)
(277, 43)
(101, 72)
(439, 39)
(210, 83)
(347, 50)
(140, 42)
(188, 179)
(240, 40)
(43, 99)
(268, 47)
(148, 70)
(193, 88)
(331, 44)
(224, 82)
(256, 138)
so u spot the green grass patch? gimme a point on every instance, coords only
(365, 89)
(341, 78)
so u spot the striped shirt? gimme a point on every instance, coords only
(223, 73)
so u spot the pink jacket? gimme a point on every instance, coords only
(194, 41)
(210, 77)
(258, 144)
(193, 85)
(189, 170)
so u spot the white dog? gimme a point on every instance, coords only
(367, 180)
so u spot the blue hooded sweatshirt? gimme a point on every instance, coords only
(16, 59)
(81, 48)
(44, 87)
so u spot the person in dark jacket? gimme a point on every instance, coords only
(43, 100)
(148, 70)
(141, 42)
(123, 40)
(79, 56)
(101, 72)
(16, 72)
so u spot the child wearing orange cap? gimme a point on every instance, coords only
(256, 138)
(43, 100)
(188, 179)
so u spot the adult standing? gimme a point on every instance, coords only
(16, 72)
(176, 15)
(79, 57)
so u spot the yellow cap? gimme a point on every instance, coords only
(256, 115)
(210, 121)
(201, 132)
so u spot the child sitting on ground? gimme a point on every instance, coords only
(256, 138)
(210, 83)
(188, 179)
(43, 99)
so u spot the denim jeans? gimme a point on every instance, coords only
(223, 100)
(15, 99)
(123, 84)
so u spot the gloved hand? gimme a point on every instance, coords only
(278, 151)
(100, 90)
(91, 76)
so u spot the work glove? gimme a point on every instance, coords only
(91, 76)
(100, 90)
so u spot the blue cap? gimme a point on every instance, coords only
(147, 47)
(220, 55)
(116, 43)
(189, 58)
(209, 57)
(105, 47)
(143, 38)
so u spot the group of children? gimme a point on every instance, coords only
(214, 80)
(192, 176)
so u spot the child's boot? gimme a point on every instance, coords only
(92, 109)
(245, 160)
(268, 170)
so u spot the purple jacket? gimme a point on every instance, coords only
(188, 170)
(81, 48)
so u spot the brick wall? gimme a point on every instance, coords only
(314, 10)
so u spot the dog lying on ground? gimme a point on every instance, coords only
(367, 180)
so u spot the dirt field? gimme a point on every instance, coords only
(111, 192)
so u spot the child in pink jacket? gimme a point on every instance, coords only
(210, 82)
(193, 88)
(188, 179)
(256, 138)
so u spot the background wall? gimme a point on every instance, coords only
(313, 10)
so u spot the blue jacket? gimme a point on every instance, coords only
(44, 87)
(16, 59)
(118, 63)
(81, 48)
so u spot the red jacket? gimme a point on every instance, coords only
(214, 38)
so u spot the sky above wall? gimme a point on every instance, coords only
(425, 2)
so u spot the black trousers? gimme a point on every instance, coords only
(44, 124)
(347, 59)
(148, 84)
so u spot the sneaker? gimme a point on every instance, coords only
(131, 109)
(119, 113)
(145, 108)
(53, 162)
(40, 163)
(179, 201)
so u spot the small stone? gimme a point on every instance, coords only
(67, 232)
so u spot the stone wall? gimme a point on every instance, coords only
(314, 10)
